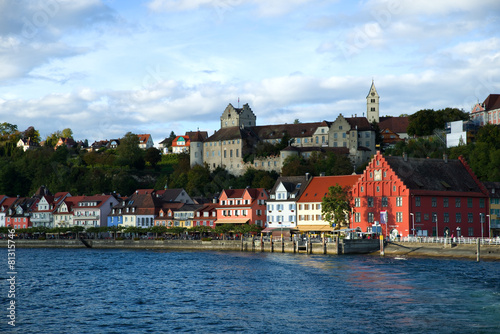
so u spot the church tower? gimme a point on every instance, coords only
(372, 104)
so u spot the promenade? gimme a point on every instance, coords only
(419, 247)
(445, 247)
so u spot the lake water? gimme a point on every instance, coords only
(149, 291)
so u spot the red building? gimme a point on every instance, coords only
(18, 215)
(206, 215)
(405, 196)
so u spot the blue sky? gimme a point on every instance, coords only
(104, 68)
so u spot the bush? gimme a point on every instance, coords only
(41, 238)
(206, 239)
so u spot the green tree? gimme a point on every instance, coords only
(425, 121)
(198, 179)
(159, 229)
(295, 165)
(7, 129)
(152, 156)
(67, 133)
(33, 134)
(129, 153)
(169, 140)
(336, 206)
(379, 139)
(422, 123)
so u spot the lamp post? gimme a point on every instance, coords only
(481, 220)
(489, 226)
(413, 223)
(436, 218)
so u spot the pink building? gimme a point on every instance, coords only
(242, 206)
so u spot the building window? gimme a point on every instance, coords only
(457, 202)
(445, 202)
(417, 201)
(399, 217)
(378, 189)
(434, 202)
(459, 217)
(470, 217)
(362, 189)
(385, 201)
(370, 202)
(446, 217)
(357, 217)
(370, 217)
(471, 231)
(357, 202)
(399, 201)
(469, 202)
(481, 202)
(418, 217)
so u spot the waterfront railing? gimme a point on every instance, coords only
(455, 240)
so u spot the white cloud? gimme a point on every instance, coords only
(263, 7)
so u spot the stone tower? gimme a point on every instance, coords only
(196, 149)
(240, 117)
(372, 104)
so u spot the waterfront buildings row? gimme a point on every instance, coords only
(394, 196)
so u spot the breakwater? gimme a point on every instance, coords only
(247, 244)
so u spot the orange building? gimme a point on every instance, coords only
(309, 214)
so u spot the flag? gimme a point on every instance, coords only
(383, 217)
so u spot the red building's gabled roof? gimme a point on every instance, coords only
(318, 187)
(492, 102)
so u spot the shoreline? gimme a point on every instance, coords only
(414, 249)
(406, 249)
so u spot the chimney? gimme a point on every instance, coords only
(322, 174)
(445, 158)
(307, 176)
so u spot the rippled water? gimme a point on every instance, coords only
(129, 291)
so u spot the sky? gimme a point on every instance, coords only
(107, 67)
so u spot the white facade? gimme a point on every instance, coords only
(457, 136)
(282, 212)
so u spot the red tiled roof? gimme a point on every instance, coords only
(197, 136)
(186, 141)
(318, 187)
(395, 124)
(143, 138)
(492, 102)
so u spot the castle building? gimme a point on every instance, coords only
(232, 147)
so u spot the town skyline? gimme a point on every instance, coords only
(105, 68)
